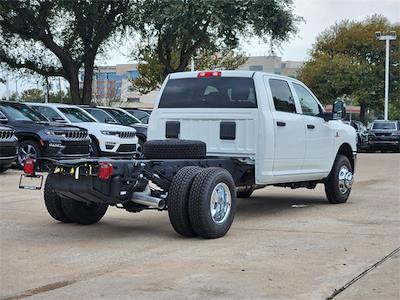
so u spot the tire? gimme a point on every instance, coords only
(174, 148)
(244, 194)
(25, 148)
(53, 203)
(178, 200)
(204, 222)
(83, 213)
(332, 185)
(95, 149)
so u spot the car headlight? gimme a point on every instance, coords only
(106, 132)
(55, 133)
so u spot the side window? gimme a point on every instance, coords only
(100, 115)
(283, 98)
(308, 104)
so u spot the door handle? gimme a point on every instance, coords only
(279, 123)
(310, 126)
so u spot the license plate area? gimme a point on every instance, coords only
(30, 182)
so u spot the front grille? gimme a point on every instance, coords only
(76, 149)
(76, 135)
(383, 134)
(126, 134)
(6, 151)
(6, 134)
(127, 148)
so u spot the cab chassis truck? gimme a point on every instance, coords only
(214, 136)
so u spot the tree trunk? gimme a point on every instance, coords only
(88, 80)
(74, 89)
(362, 111)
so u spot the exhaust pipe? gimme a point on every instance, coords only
(146, 199)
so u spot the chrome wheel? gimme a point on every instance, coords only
(220, 203)
(26, 151)
(345, 180)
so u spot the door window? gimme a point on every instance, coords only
(283, 98)
(308, 104)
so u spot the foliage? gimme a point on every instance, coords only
(32, 95)
(173, 31)
(151, 70)
(59, 37)
(348, 62)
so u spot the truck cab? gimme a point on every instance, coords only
(273, 122)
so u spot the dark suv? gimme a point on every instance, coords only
(8, 146)
(37, 137)
(384, 135)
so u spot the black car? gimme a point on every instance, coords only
(384, 136)
(140, 113)
(8, 146)
(362, 134)
(113, 115)
(37, 137)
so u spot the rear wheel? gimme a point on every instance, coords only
(212, 203)
(340, 180)
(53, 203)
(178, 200)
(83, 213)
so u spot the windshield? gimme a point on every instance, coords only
(384, 125)
(21, 112)
(212, 92)
(76, 115)
(122, 117)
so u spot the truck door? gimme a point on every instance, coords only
(319, 135)
(289, 131)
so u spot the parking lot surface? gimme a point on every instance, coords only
(283, 244)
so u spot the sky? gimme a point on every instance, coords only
(318, 14)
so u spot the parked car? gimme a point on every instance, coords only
(362, 134)
(106, 139)
(8, 146)
(38, 137)
(384, 136)
(142, 114)
(214, 136)
(113, 115)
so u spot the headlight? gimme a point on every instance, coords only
(55, 133)
(105, 132)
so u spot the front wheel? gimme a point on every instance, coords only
(212, 203)
(340, 180)
(27, 149)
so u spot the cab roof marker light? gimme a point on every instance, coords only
(209, 74)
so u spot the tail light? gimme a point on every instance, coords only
(209, 74)
(105, 170)
(29, 166)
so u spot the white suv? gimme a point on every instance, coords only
(107, 139)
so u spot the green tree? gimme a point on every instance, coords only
(32, 95)
(59, 37)
(348, 62)
(173, 31)
(151, 73)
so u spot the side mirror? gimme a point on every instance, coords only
(338, 111)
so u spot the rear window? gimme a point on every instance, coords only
(214, 92)
(384, 125)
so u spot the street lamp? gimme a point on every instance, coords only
(391, 36)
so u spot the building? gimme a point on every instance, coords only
(272, 64)
(112, 85)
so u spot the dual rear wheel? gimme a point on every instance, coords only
(202, 202)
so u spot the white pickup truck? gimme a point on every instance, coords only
(213, 136)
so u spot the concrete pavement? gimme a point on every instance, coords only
(284, 244)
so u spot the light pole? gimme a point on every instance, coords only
(391, 36)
